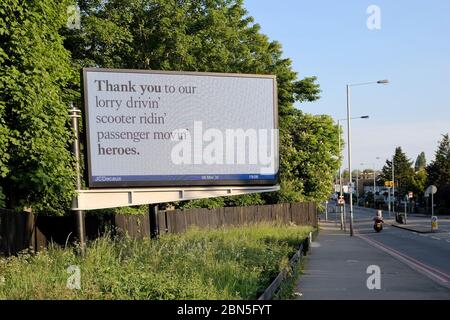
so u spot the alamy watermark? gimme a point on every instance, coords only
(73, 17)
(226, 147)
(374, 280)
(74, 279)
(374, 20)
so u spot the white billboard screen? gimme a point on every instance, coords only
(156, 128)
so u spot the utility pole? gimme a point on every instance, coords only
(393, 186)
(75, 114)
(357, 187)
(349, 144)
(341, 208)
(374, 187)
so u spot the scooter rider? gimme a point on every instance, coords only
(379, 216)
(378, 225)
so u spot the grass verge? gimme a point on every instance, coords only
(231, 263)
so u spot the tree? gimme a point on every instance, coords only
(403, 172)
(308, 146)
(35, 161)
(216, 36)
(421, 162)
(439, 172)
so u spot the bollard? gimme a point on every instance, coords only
(434, 223)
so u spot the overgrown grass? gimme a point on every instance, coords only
(232, 263)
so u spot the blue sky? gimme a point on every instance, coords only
(330, 40)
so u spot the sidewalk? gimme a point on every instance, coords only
(336, 270)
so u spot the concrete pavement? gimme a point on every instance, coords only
(337, 269)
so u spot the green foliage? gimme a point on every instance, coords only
(202, 203)
(38, 77)
(439, 172)
(217, 36)
(139, 210)
(307, 145)
(35, 163)
(403, 173)
(233, 263)
(418, 185)
(421, 162)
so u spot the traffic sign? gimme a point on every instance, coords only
(430, 190)
(341, 201)
(434, 223)
(410, 195)
(389, 184)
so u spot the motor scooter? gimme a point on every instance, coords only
(378, 225)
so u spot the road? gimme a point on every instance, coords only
(428, 253)
(412, 265)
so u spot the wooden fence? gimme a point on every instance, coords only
(177, 221)
(20, 231)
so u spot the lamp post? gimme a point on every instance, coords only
(357, 187)
(393, 186)
(340, 171)
(75, 115)
(349, 142)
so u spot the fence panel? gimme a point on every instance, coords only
(19, 231)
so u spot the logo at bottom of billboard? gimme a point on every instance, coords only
(168, 129)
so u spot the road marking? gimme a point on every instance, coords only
(423, 235)
(435, 238)
(415, 264)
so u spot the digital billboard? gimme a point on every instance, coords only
(159, 128)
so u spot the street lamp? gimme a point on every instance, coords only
(349, 142)
(340, 171)
(393, 186)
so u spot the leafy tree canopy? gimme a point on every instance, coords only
(35, 162)
(439, 172)
(403, 172)
(39, 74)
(421, 162)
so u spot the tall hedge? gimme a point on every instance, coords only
(35, 160)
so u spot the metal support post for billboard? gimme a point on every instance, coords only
(154, 228)
(75, 114)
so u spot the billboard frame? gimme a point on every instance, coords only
(94, 199)
(173, 183)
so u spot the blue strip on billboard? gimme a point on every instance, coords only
(184, 177)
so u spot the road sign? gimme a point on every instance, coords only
(341, 201)
(345, 188)
(389, 184)
(434, 223)
(430, 190)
